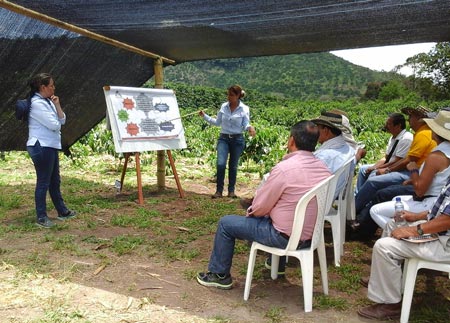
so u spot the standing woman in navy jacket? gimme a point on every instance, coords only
(44, 141)
(233, 118)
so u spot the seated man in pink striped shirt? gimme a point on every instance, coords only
(270, 217)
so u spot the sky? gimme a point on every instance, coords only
(384, 58)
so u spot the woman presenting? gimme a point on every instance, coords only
(233, 118)
(44, 140)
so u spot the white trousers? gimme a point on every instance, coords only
(385, 283)
(382, 213)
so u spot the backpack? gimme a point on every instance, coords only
(23, 109)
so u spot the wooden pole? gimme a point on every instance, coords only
(64, 25)
(161, 158)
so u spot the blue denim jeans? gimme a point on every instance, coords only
(374, 183)
(234, 147)
(232, 227)
(363, 177)
(46, 164)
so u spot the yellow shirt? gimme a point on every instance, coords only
(422, 144)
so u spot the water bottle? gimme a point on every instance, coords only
(399, 220)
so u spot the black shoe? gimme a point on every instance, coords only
(215, 280)
(68, 215)
(245, 203)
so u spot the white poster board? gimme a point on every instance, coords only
(144, 119)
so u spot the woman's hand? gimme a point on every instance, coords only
(201, 113)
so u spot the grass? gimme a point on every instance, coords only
(112, 229)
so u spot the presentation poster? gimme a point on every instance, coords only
(143, 119)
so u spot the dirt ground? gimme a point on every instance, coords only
(138, 287)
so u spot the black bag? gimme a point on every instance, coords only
(23, 109)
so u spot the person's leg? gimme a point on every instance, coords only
(386, 271)
(43, 165)
(232, 227)
(388, 193)
(237, 146)
(55, 184)
(375, 183)
(222, 156)
(362, 177)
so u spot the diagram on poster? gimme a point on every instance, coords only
(143, 119)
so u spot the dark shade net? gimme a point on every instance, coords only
(184, 31)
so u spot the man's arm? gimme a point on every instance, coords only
(436, 225)
(268, 195)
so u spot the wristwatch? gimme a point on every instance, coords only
(419, 230)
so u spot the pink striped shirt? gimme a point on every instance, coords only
(289, 180)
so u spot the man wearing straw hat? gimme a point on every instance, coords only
(334, 150)
(389, 253)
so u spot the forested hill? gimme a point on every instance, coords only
(322, 76)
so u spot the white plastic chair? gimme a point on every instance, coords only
(411, 267)
(337, 217)
(323, 192)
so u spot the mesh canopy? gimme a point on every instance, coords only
(184, 31)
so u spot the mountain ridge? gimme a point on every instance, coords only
(316, 76)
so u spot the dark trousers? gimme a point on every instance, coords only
(46, 164)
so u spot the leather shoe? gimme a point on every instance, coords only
(245, 203)
(364, 281)
(381, 311)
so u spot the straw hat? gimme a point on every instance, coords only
(420, 111)
(332, 120)
(441, 124)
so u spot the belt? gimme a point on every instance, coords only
(284, 235)
(231, 136)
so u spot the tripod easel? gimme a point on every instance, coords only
(139, 176)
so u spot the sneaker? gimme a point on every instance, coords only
(268, 265)
(232, 195)
(215, 280)
(70, 214)
(45, 223)
(217, 195)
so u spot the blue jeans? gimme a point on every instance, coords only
(233, 146)
(232, 227)
(374, 183)
(362, 176)
(46, 164)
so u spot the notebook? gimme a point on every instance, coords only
(423, 238)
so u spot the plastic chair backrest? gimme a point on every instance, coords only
(323, 195)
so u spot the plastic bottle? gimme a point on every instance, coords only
(398, 212)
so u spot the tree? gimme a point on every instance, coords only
(434, 66)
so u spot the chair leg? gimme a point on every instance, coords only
(410, 273)
(321, 253)
(336, 231)
(274, 263)
(307, 267)
(250, 268)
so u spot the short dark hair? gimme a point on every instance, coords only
(398, 118)
(305, 134)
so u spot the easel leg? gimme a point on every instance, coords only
(125, 164)
(139, 179)
(175, 174)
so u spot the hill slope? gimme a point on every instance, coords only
(321, 76)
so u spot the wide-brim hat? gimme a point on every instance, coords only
(420, 111)
(331, 120)
(441, 124)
